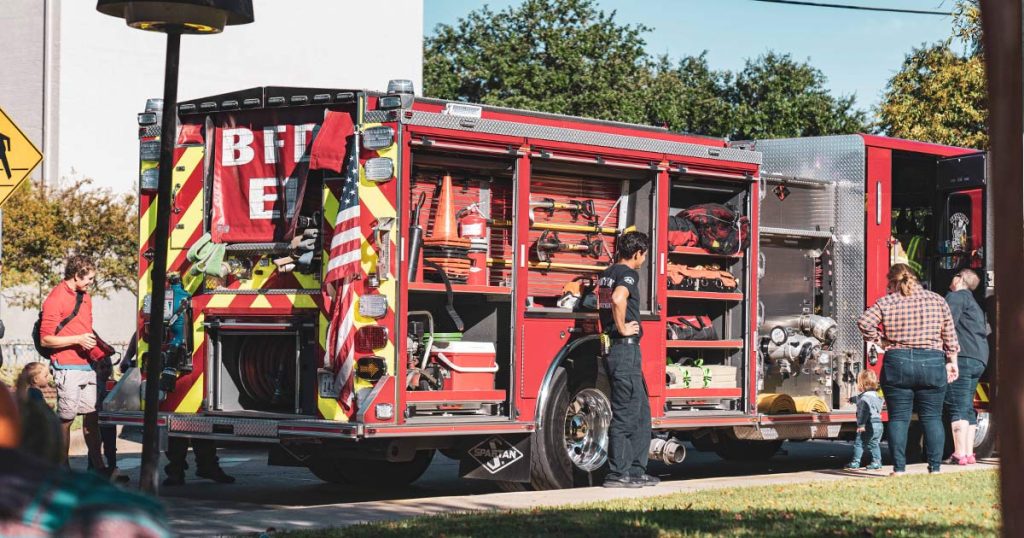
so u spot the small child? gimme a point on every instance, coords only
(869, 422)
(35, 377)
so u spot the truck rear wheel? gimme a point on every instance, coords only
(371, 473)
(985, 438)
(571, 449)
(743, 450)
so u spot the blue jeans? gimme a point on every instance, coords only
(959, 402)
(871, 436)
(915, 380)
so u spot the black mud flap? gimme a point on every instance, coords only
(497, 457)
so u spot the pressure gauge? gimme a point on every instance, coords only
(778, 336)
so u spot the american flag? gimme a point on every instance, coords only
(343, 267)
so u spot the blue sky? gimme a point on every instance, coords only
(857, 51)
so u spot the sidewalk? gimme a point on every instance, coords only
(203, 518)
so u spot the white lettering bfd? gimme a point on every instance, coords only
(237, 150)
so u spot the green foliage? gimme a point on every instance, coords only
(44, 225)
(567, 57)
(940, 95)
(952, 504)
(775, 96)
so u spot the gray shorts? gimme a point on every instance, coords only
(76, 393)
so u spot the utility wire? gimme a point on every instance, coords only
(858, 8)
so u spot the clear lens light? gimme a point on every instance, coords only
(379, 169)
(378, 137)
(384, 411)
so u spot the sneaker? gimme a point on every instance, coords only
(216, 474)
(874, 466)
(971, 459)
(647, 480)
(621, 482)
(852, 466)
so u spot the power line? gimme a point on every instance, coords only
(858, 8)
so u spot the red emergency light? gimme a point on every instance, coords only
(371, 337)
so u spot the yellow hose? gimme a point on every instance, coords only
(810, 404)
(775, 404)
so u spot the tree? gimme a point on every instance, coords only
(567, 57)
(775, 96)
(939, 95)
(43, 225)
(555, 56)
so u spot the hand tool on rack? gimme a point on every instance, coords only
(382, 241)
(581, 228)
(549, 243)
(576, 208)
(415, 237)
(550, 266)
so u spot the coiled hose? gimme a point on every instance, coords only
(265, 369)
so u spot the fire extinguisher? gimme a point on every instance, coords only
(473, 226)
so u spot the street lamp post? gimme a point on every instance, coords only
(173, 17)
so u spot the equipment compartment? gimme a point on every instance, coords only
(260, 366)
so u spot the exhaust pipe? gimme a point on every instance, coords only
(667, 451)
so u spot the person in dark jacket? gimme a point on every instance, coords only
(972, 332)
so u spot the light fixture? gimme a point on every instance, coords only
(371, 368)
(183, 16)
(378, 137)
(379, 169)
(371, 337)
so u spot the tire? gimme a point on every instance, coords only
(571, 449)
(985, 439)
(741, 450)
(372, 473)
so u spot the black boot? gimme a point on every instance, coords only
(175, 475)
(216, 474)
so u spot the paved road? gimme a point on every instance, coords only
(203, 507)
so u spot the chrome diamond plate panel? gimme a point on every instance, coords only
(787, 431)
(242, 427)
(578, 136)
(841, 161)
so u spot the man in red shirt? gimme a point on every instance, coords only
(66, 328)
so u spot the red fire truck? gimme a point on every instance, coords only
(470, 238)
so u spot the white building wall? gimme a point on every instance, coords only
(108, 70)
(102, 72)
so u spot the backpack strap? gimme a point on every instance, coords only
(79, 296)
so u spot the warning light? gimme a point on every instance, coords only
(371, 368)
(370, 338)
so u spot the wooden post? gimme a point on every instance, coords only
(1001, 23)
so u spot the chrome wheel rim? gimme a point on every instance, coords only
(586, 429)
(983, 425)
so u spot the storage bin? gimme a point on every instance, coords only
(472, 364)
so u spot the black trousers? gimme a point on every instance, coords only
(177, 452)
(630, 430)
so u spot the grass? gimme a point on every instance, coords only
(952, 504)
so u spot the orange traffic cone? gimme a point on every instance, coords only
(445, 231)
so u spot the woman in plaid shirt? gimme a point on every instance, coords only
(915, 329)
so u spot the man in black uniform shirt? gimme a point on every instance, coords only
(630, 430)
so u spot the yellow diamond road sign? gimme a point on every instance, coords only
(17, 157)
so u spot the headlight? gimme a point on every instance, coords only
(378, 137)
(379, 169)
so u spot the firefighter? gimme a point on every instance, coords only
(630, 429)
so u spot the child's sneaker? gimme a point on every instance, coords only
(853, 466)
(874, 466)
